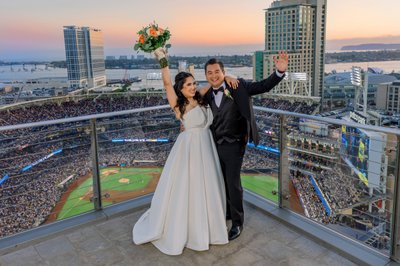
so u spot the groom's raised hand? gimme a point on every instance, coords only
(281, 61)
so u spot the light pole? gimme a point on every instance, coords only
(357, 80)
(298, 80)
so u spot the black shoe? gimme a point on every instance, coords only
(235, 232)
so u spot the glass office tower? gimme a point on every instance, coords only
(85, 57)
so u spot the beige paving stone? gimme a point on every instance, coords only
(26, 256)
(264, 241)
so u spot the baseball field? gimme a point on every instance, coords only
(262, 185)
(119, 184)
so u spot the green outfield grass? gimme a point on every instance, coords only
(138, 179)
(261, 185)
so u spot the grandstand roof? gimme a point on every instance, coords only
(375, 70)
(379, 79)
(344, 79)
(338, 79)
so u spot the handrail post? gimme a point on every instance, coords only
(395, 230)
(283, 174)
(95, 166)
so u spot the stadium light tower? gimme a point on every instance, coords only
(355, 76)
(298, 81)
(361, 85)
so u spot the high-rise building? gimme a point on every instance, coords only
(298, 27)
(182, 66)
(388, 96)
(85, 57)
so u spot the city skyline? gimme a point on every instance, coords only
(33, 30)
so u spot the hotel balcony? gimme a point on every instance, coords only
(318, 191)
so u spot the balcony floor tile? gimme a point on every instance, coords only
(264, 241)
(23, 257)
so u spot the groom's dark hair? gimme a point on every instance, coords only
(214, 61)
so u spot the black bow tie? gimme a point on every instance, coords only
(221, 89)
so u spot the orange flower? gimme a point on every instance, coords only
(153, 32)
(141, 38)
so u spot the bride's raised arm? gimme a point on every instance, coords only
(169, 88)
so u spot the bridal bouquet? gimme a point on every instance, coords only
(153, 38)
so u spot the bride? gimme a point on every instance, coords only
(188, 206)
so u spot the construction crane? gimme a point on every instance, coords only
(19, 94)
(126, 79)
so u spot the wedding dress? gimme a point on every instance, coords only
(188, 206)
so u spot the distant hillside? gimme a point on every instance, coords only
(372, 46)
(362, 56)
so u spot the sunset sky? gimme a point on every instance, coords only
(34, 29)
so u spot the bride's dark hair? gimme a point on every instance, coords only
(182, 101)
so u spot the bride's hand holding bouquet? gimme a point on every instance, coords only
(153, 39)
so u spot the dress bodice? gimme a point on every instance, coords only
(199, 117)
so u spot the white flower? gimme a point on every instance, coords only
(227, 93)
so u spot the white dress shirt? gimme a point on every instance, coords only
(219, 95)
(279, 74)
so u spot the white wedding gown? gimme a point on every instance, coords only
(188, 206)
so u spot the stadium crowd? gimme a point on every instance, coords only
(339, 188)
(259, 159)
(313, 207)
(54, 110)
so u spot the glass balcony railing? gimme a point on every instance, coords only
(341, 175)
(260, 169)
(132, 150)
(41, 170)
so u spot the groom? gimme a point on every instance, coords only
(233, 126)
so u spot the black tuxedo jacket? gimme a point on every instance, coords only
(242, 97)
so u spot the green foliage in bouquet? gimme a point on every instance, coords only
(151, 38)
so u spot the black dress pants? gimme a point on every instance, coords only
(231, 158)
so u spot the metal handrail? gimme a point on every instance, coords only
(332, 121)
(82, 118)
(138, 110)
